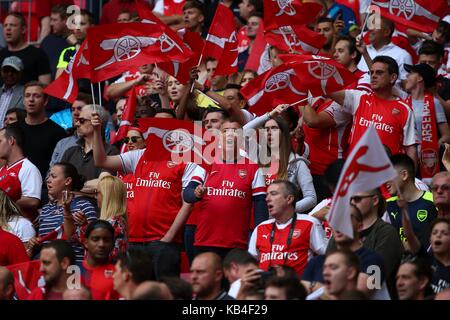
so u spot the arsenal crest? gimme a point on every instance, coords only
(171, 164)
(108, 273)
(242, 173)
(429, 159)
(296, 233)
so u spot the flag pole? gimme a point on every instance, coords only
(369, 13)
(198, 64)
(300, 101)
(92, 93)
(100, 93)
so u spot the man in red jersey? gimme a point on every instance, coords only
(160, 213)
(97, 267)
(288, 238)
(232, 185)
(392, 117)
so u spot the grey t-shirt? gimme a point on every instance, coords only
(418, 114)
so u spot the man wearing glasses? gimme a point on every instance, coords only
(440, 187)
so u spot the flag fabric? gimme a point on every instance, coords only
(58, 233)
(279, 85)
(298, 38)
(258, 59)
(115, 48)
(128, 116)
(289, 12)
(65, 87)
(422, 15)
(177, 141)
(228, 62)
(321, 75)
(26, 277)
(221, 31)
(366, 168)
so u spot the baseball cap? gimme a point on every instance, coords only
(426, 71)
(13, 62)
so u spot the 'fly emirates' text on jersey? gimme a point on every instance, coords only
(393, 119)
(157, 195)
(308, 237)
(225, 209)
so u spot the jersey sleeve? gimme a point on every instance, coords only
(130, 160)
(30, 180)
(409, 130)
(193, 172)
(258, 183)
(252, 244)
(159, 7)
(351, 100)
(318, 239)
(340, 115)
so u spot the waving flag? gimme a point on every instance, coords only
(65, 86)
(289, 12)
(298, 38)
(114, 48)
(279, 85)
(321, 75)
(26, 277)
(177, 141)
(222, 30)
(366, 168)
(259, 59)
(128, 116)
(422, 15)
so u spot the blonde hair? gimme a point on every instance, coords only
(114, 198)
(8, 210)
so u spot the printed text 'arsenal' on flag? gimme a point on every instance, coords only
(366, 168)
(114, 48)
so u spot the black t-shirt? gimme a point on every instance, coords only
(40, 141)
(34, 60)
(53, 46)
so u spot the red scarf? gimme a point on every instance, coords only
(429, 146)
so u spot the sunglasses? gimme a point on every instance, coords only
(443, 187)
(358, 199)
(83, 120)
(133, 139)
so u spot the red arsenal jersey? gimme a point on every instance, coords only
(21, 179)
(308, 237)
(100, 282)
(226, 208)
(393, 119)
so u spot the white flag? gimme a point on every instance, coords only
(366, 168)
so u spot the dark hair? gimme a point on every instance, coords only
(18, 15)
(430, 47)
(439, 220)
(351, 259)
(290, 189)
(294, 290)
(209, 59)
(99, 224)
(70, 171)
(179, 288)
(444, 28)
(138, 263)
(61, 9)
(239, 256)
(87, 13)
(34, 83)
(63, 250)
(391, 63)
(194, 4)
(388, 24)
(209, 110)
(351, 44)
(333, 172)
(258, 4)
(16, 132)
(422, 269)
(325, 19)
(20, 113)
(166, 110)
(256, 14)
(236, 87)
(406, 163)
(86, 98)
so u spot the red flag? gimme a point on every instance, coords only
(127, 116)
(278, 85)
(321, 75)
(58, 233)
(298, 38)
(114, 48)
(65, 87)
(26, 277)
(259, 59)
(422, 15)
(228, 61)
(222, 30)
(284, 12)
(177, 141)
(366, 168)
(193, 41)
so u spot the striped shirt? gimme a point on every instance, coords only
(51, 218)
